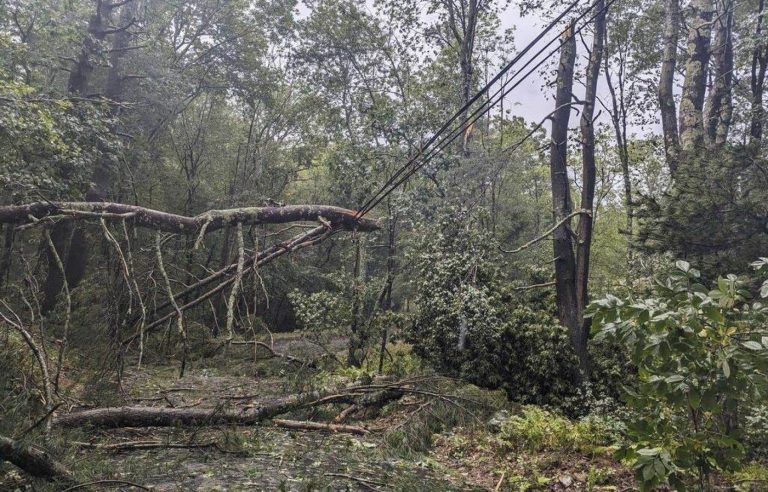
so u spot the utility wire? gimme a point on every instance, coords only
(404, 173)
(474, 99)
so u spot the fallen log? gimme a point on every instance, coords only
(134, 416)
(33, 461)
(319, 426)
(204, 223)
(142, 445)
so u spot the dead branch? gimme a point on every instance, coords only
(238, 281)
(363, 481)
(319, 426)
(547, 233)
(262, 258)
(274, 353)
(172, 300)
(180, 224)
(33, 461)
(65, 333)
(141, 445)
(39, 356)
(106, 482)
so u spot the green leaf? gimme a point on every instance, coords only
(752, 345)
(726, 368)
(648, 473)
(674, 379)
(683, 265)
(648, 451)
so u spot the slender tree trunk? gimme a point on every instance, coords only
(695, 85)
(589, 172)
(355, 355)
(619, 121)
(757, 81)
(720, 105)
(666, 84)
(565, 261)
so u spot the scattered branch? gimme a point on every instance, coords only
(547, 233)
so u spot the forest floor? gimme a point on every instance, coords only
(270, 458)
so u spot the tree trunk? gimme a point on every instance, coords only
(589, 171)
(666, 84)
(203, 223)
(695, 85)
(619, 122)
(33, 461)
(115, 417)
(76, 259)
(720, 104)
(565, 261)
(757, 81)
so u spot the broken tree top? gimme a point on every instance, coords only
(179, 224)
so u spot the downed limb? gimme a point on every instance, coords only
(33, 461)
(265, 256)
(319, 426)
(546, 234)
(133, 416)
(273, 353)
(207, 222)
(142, 445)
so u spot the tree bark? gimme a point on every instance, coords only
(33, 461)
(720, 104)
(696, 69)
(666, 84)
(115, 417)
(204, 223)
(565, 261)
(580, 334)
(757, 81)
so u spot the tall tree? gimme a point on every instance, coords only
(562, 208)
(696, 70)
(667, 104)
(757, 79)
(719, 109)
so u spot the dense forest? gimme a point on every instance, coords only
(329, 245)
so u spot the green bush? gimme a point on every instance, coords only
(471, 324)
(701, 357)
(537, 429)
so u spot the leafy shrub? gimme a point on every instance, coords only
(699, 358)
(470, 324)
(537, 429)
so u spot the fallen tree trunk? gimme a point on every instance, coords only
(206, 222)
(33, 461)
(133, 416)
(319, 426)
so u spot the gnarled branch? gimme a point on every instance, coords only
(179, 224)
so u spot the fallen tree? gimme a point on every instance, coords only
(33, 461)
(136, 416)
(212, 220)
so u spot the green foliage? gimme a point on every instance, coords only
(699, 362)
(714, 212)
(537, 429)
(471, 326)
(49, 146)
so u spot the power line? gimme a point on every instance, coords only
(399, 178)
(477, 96)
